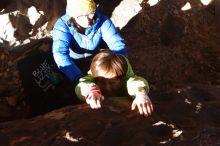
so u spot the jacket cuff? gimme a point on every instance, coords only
(93, 89)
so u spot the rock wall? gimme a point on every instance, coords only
(28, 20)
(169, 46)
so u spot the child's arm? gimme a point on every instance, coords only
(88, 91)
(138, 88)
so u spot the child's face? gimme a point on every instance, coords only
(109, 86)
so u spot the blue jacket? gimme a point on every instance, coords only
(68, 44)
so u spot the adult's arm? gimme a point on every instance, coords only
(61, 45)
(112, 38)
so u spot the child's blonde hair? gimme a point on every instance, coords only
(109, 65)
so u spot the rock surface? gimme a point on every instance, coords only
(182, 117)
(28, 20)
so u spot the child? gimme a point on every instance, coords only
(108, 73)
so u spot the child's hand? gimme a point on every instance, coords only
(143, 102)
(94, 100)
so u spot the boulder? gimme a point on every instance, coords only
(182, 117)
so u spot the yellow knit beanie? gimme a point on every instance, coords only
(80, 7)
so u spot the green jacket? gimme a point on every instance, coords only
(132, 82)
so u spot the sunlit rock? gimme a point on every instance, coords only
(186, 7)
(25, 20)
(126, 10)
(206, 2)
(153, 2)
(6, 28)
(33, 15)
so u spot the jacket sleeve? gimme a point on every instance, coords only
(134, 83)
(112, 38)
(84, 85)
(61, 45)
